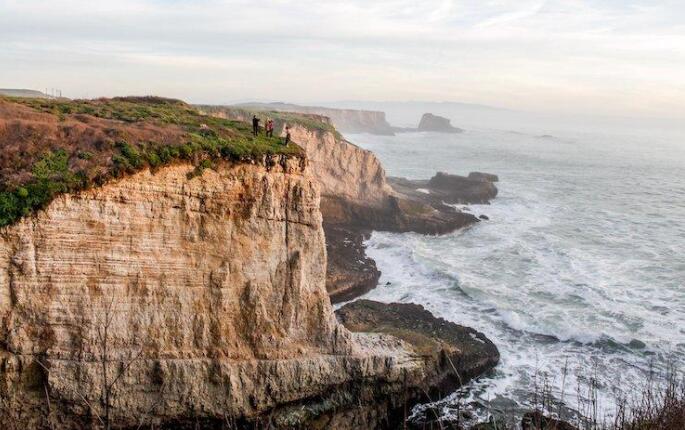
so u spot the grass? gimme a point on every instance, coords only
(71, 145)
(309, 121)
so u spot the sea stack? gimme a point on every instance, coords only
(430, 122)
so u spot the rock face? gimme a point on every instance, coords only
(356, 198)
(430, 122)
(350, 273)
(456, 353)
(189, 301)
(358, 121)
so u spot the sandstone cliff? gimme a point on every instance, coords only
(356, 198)
(176, 299)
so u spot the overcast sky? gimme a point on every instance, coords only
(615, 57)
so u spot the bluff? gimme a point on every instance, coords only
(196, 300)
(182, 297)
(356, 198)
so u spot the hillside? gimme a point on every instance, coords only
(56, 146)
(21, 92)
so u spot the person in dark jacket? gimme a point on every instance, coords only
(255, 125)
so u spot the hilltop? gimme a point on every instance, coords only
(57, 146)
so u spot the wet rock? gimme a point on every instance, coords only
(484, 217)
(637, 344)
(446, 188)
(453, 353)
(484, 177)
(350, 273)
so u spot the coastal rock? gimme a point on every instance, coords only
(484, 177)
(444, 188)
(455, 353)
(350, 273)
(430, 122)
(211, 289)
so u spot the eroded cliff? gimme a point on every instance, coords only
(187, 275)
(174, 299)
(356, 198)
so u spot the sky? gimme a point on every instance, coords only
(621, 58)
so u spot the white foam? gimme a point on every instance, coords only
(573, 266)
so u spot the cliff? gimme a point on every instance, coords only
(356, 198)
(430, 122)
(345, 120)
(171, 299)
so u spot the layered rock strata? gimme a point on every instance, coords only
(356, 198)
(185, 301)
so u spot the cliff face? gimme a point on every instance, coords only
(174, 300)
(358, 121)
(355, 198)
(227, 266)
(343, 169)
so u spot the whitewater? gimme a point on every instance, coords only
(578, 275)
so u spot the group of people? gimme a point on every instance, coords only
(268, 128)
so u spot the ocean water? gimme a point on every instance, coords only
(578, 277)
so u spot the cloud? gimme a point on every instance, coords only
(531, 54)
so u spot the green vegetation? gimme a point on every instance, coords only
(48, 169)
(51, 176)
(310, 121)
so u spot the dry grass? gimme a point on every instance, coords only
(56, 146)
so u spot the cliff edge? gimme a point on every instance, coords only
(183, 295)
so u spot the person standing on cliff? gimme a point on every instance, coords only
(255, 125)
(287, 135)
(269, 128)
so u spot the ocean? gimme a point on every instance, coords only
(578, 277)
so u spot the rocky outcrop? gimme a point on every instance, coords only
(451, 347)
(350, 273)
(357, 121)
(455, 354)
(430, 122)
(444, 188)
